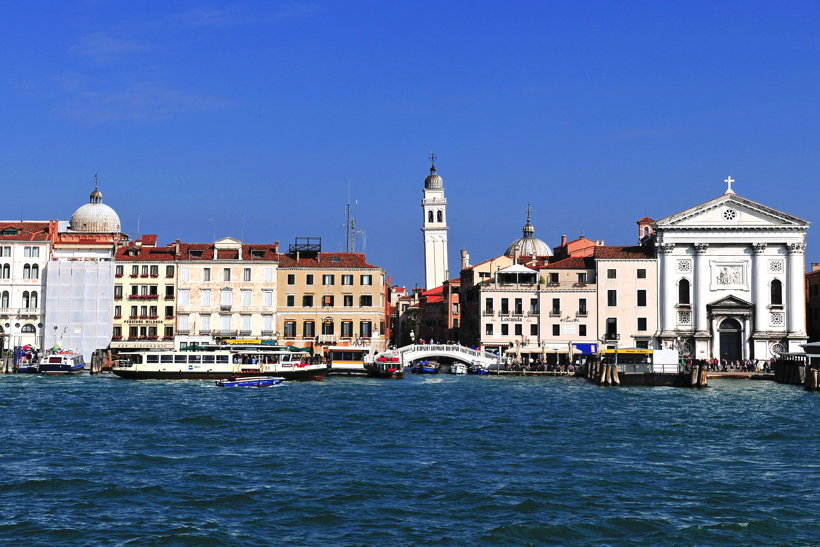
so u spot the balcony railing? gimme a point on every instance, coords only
(183, 332)
(225, 307)
(581, 313)
(244, 333)
(555, 313)
(224, 333)
(267, 333)
(488, 313)
(143, 296)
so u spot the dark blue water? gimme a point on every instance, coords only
(440, 460)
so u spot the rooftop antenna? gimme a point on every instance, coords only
(138, 225)
(213, 227)
(241, 227)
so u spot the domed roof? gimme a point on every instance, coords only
(95, 217)
(529, 245)
(433, 180)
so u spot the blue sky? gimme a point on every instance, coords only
(248, 119)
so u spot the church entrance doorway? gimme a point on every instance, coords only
(730, 340)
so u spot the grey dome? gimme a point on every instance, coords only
(529, 245)
(433, 180)
(95, 217)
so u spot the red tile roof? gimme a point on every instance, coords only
(26, 231)
(325, 260)
(145, 254)
(633, 251)
(149, 239)
(571, 263)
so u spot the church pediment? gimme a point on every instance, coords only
(730, 302)
(728, 212)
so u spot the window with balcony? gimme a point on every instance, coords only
(225, 299)
(327, 327)
(135, 270)
(611, 328)
(169, 272)
(134, 312)
(154, 271)
(4, 300)
(555, 310)
(144, 270)
(518, 306)
(169, 292)
(488, 306)
(553, 278)
(118, 270)
(169, 312)
(505, 306)
(582, 278)
(117, 291)
(117, 312)
(582, 307)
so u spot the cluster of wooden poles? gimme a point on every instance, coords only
(603, 374)
(698, 375)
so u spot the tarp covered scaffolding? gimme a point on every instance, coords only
(79, 305)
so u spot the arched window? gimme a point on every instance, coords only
(33, 300)
(26, 272)
(777, 293)
(440, 216)
(28, 328)
(683, 292)
(4, 301)
(35, 271)
(25, 299)
(6, 272)
(429, 216)
(646, 230)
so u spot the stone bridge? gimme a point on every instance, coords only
(416, 352)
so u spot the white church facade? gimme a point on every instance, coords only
(730, 280)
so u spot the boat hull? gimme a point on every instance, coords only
(296, 374)
(60, 370)
(263, 381)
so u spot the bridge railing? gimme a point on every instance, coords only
(446, 348)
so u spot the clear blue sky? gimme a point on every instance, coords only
(257, 114)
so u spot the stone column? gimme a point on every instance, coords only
(760, 299)
(715, 346)
(701, 287)
(746, 338)
(666, 285)
(796, 310)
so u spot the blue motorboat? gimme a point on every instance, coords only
(252, 381)
(425, 367)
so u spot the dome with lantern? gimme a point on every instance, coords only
(528, 245)
(95, 217)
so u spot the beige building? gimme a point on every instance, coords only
(330, 298)
(144, 295)
(627, 295)
(225, 290)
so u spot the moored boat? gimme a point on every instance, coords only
(61, 362)
(348, 359)
(425, 367)
(458, 368)
(385, 367)
(217, 363)
(252, 381)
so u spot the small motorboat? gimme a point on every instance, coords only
(251, 381)
(385, 367)
(458, 368)
(425, 367)
(61, 362)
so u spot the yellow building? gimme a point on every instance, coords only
(144, 295)
(330, 298)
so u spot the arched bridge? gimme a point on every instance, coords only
(415, 352)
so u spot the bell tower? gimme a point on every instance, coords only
(434, 228)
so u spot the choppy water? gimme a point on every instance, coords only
(439, 460)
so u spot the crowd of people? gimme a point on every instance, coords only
(740, 365)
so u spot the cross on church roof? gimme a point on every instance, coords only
(729, 181)
(432, 157)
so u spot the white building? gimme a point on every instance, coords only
(24, 251)
(434, 228)
(730, 279)
(79, 313)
